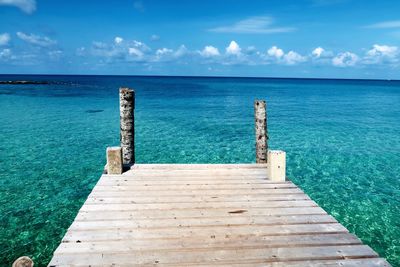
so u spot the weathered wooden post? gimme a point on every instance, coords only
(260, 114)
(127, 125)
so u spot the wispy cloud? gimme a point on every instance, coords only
(119, 50)
(4, 39)
(392, 24)
(42, 41)
(154, 37)
(255, 25)
(5, 54)
(27, 6)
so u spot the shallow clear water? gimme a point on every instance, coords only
(342, 140)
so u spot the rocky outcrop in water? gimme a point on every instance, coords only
(24, 82)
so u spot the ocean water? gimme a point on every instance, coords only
(342, 139)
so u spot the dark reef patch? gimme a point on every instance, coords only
(94, 110)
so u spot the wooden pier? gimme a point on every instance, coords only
(205, 215)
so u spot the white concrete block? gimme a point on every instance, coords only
(276, 170)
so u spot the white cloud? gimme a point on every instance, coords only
(385, 25)
(383, 50)
(182, 50)
(118, 51)
(317, 52)
(233, 49)
(292, 58)
(321, 56)
(251, 49)
(4, 39)
(210, 51)
(5, 54)
(118, 40)
(255, 25)
(37, 40)
(135, 52)
(346, 59)
(275, 52)
(167, 54)
(55, 54)
(107, 51)
(27, 6)
(381, 54)
(81, 51)
(141, 46)
(164, 51)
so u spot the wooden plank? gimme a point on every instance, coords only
(226, 256)
(194, 198)
(204, 222)
(133, 182)
(196, 176)
(247, 241)
(213, 192)
(368, 262)
(201, 232)
(155, 166)
(196, 180)
(198, 173)
(166, 214)
(199, 170)
(187, 186)
(198, 205)
(201, 183)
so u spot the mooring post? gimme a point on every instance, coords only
(260, 114)
(127, 125)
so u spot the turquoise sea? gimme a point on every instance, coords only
(342, 139)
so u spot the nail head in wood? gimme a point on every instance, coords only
(114, 160)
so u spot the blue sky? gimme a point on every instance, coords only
(299, 38)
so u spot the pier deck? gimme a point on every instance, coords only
(205, 215)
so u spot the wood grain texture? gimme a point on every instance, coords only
(206, 215)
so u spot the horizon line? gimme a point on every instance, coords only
(206, 76)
